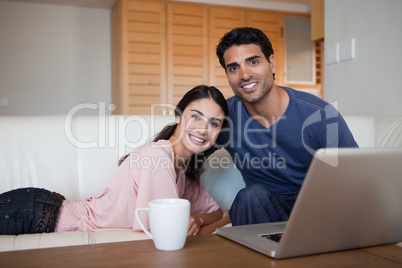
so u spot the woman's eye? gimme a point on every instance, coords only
(196, 117)
(214, 124)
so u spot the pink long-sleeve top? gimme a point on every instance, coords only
(146, 175)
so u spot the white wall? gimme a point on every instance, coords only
(371, 83)
(53, 57)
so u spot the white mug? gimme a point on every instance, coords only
(168, 221)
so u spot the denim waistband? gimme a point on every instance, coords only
(29, 210)
(48, 219)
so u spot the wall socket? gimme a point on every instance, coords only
(3, 102)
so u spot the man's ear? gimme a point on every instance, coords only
(272, 61)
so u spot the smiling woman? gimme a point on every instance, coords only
(168, 167)
(195, 132)
(198, 128)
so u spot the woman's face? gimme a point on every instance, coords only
(199, 126)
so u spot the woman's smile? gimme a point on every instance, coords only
(196, 140)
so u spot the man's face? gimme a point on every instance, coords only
(248, 71)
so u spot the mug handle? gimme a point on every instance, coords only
(140, 222)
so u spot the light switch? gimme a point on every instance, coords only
(332, 53)
(3, 102)
(347, 50)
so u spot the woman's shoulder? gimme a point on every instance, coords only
(155, 157)
(158, 148)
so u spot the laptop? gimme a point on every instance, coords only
(350, 198)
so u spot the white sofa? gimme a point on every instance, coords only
(76, 156)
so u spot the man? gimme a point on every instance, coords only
(273, 131)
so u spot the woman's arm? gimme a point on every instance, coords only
(206, 223)
(210, 228)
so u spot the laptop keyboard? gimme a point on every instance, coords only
(274, 237)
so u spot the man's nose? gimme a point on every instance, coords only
(245, 73)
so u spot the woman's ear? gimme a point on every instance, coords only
(177, 119)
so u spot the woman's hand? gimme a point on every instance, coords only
(225, 218)
(206, 223)
(194, 225)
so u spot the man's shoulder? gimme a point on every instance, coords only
(233, 100)
(305, 98)
(308, 106)
(307, 102)
(235, 106)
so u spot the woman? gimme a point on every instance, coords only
(168, 167)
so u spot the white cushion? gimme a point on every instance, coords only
(362, 128)
(109, 236)
(222, 179)
(388, 131)
(35, 152)
(45, 240)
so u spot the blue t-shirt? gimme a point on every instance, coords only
(279, 156)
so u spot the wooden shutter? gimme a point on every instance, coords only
(221, 21)
(187, 49)
(272, 24)
(142, 56)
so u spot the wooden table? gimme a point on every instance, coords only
(202, 251)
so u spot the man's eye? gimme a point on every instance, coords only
(232, 69)
(254, 62)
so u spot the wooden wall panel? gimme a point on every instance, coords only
(116, 50)
(143, 56)
(187, 49)
(221, 21)
(317, 20)
(272, 24)
(161, 49)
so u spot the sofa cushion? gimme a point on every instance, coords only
(222, 179)
(46, 240)
(388, 131)
(362, 128)
(35, 152)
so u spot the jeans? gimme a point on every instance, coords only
(21, 210)
(256, 204)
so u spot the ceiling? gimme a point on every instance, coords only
(110, 3)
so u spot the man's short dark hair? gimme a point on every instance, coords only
(244, 36)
